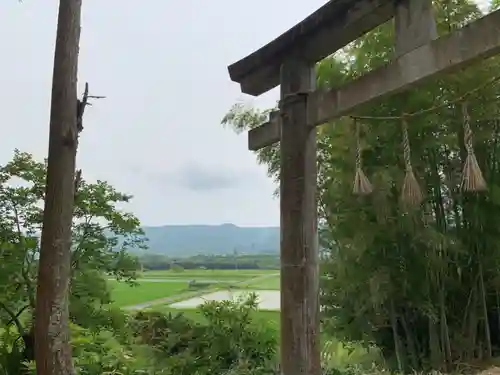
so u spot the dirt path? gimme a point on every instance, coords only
(186, 295)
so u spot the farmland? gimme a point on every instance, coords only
(158, 290)
(125, 295)
(270, 317)
(203, 274)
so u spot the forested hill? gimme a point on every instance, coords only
(188, 240)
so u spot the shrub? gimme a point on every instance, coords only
(228, 339)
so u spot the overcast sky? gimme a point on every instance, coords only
(163, 66)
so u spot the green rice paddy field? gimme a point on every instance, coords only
(171, 286)
(272, 317)
(201, 274)
(125, 295)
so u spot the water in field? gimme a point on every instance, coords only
(267, 299)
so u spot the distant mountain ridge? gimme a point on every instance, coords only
(189, 240)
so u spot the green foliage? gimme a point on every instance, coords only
(226, 341)
(100, 353)
(102, 236)
(342, 356)
(11, 353)
(422, 286)
(212, 262)
(104, 341)
(194, 284)
(176, 268)
(226, 338)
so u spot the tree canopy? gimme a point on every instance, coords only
(421, 284)
(102, 235)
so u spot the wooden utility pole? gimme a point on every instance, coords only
(300, 351)
(52, 348)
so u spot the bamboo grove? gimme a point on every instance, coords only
(422, 284)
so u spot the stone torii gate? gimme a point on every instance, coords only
(289, 61)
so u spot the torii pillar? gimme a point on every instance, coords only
(289, 61)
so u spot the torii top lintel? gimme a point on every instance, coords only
(330, 28)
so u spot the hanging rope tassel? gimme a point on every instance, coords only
(362, 185)
(411, 194)
(472, 177)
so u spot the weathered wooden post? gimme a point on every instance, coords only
(289, 60)
(300, 352)
(415, 25)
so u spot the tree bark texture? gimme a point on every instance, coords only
(53, 353)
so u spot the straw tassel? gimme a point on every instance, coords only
(411, 194)
(472, 177)
(362, 185)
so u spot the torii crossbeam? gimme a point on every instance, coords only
(289, 61)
